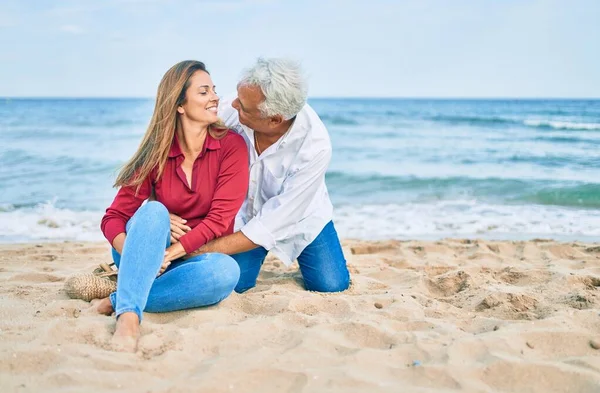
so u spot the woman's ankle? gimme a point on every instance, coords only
(128, 321)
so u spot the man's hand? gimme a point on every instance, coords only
(175, 251)
(165, 264)
(178, 227)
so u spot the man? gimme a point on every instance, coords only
(287, 209)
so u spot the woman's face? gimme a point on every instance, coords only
(201, 101)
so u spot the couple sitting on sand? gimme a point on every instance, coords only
(265, 162)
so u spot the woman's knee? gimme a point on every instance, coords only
(227, 272)
(155, 208)
(154, 213)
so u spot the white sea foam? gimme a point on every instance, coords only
(562, 125)
(47, 222)
(464, 218)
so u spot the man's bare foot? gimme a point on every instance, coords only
(127, 333)
(101, 306)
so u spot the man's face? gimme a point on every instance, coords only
(246, 103)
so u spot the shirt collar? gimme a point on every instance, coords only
(209, 144)
(298, 124)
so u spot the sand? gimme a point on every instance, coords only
(446, 316)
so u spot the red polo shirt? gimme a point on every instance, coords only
(219, 186)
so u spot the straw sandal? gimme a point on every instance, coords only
(96, 285)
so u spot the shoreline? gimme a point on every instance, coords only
(432, 316)
(508, 237)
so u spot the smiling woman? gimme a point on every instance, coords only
(197, 95)
(197, 169)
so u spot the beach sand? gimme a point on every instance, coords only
(445, 316)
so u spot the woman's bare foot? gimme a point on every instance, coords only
(127, 332)
(102, 306)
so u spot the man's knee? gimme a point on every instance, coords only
(328, 284)
(242, 287)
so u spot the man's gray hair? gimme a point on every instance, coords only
(283, 83)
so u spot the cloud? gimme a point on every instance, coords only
(72, 29)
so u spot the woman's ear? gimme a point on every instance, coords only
(180, 110)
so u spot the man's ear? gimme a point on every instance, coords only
(276, 120)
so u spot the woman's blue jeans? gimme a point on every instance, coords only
(199, 281)
(322, 264)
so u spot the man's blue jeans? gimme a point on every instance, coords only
(322, 264)
(199, 281)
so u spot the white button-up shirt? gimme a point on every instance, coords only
(287, 204)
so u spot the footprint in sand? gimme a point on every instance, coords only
(590, 282)
(154, 344)
(593, 250)
(363, 335)
(511, 302)
(512, 276)
(580, 300)
(448, 284)
(271, 305)
(433, 271)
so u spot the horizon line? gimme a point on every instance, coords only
(316, 97)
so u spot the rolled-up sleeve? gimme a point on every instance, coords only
(231, 189)
(123, 207)
(280, 214)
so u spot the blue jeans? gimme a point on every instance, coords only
(199, 281)
(322, 264)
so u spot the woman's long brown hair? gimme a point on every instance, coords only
(154, 148)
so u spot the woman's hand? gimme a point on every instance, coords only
(178, 227)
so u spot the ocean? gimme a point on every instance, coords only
(401, 168)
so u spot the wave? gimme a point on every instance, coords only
(412, 189)
(47, 222)
(473, 120)
(18, 159)
(561, 125)
(338, 120)
(437, 219)
(464, 218)
(566, 139)
(586, 195)
(496, 121)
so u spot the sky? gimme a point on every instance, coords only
(374, 48)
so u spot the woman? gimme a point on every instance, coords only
(195, 168)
